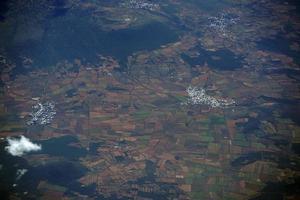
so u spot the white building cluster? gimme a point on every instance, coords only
(199, 96)
(222, 22)
(42, 113)
(141, 4)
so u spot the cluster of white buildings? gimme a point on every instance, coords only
(222, 22)
(141, 4)
(199, 96)
(42, 113)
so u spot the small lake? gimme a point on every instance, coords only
(63, 173)
(62, 146)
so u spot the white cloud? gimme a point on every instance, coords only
(20, 146)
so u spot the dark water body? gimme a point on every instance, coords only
(150, 169)
(210, 6)
(279, 44)
(296, 148)
(291, 112)
(61, 147)
(222, 59)
(59, 3)
(265, 114)
(295, 3)
(60, 8)
(289, 108)
(278, 190)
(3, 9)
(75, 35)
(94, 146)
(63, 173)
(278, 140)
(283, 161)
(71, 92)
(8, 171)
(115, 88)
(254, 127)
(58, 12)
(250, 126)
(291, 73)
(280, 100)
